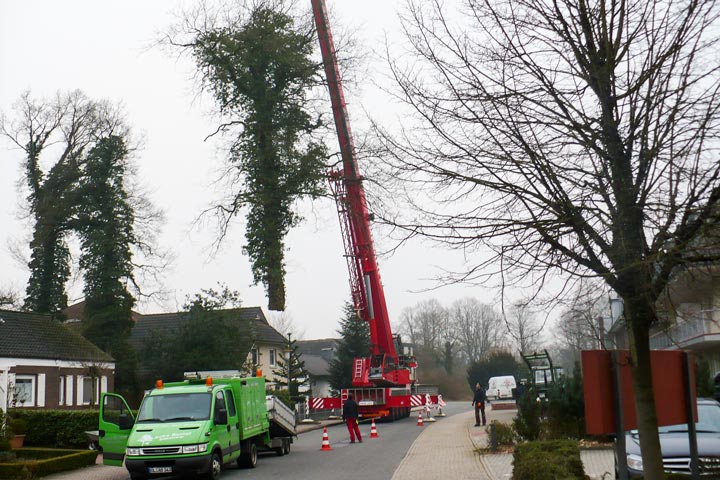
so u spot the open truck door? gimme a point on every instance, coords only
(115, 424)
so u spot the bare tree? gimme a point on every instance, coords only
(568, 137)
(426, 325)
(9, 298)
(478, 328)
(284, 323)
(581, 323)
(61, 139)
(523, 327)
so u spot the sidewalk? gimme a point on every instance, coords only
(445, 450)
(448, 449)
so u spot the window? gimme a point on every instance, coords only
(24, 395)
(195, 406)
(254, 354)
(272, 357)
(91, 391)
(230, 403)
(114, 409)
(61, 389)
(219, 401)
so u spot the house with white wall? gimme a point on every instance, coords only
(43, 364)
(317, 355)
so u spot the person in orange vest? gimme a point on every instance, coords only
(350, 415)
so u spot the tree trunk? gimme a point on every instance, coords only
(639, 317)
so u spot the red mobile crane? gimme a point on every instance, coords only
(384, 382)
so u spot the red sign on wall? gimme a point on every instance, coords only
(668, 388)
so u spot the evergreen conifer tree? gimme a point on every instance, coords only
(298, 374)
(354, 343)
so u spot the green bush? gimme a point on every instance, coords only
(57, 428)
(504, 433)
(18, 426)
(566, 408)
(548, 460)
(527, 422)
(42, 462)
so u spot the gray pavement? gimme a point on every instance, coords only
(447, 448)
(450, 448)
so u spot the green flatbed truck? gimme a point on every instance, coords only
(194, 427)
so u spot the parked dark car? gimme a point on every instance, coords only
(676, 447)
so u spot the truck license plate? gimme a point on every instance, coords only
(159, 469)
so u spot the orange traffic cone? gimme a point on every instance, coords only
(373, 430)
(325, 442)
(420, 420)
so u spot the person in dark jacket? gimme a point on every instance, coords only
(350, 415)
(479, 403)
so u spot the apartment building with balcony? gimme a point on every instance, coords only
(689, 312)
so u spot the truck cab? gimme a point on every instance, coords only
(190, 427)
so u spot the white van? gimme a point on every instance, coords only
(500, 388)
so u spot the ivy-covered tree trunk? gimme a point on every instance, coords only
(105, 222)
(49, 270)
(258, 65)
(51, 203)
(83, 194)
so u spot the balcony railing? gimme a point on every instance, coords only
(678, 334)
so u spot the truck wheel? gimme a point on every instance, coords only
(286, 446)
(248, 457)
(215, 466)
(280, 451)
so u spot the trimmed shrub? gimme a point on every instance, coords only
(18, 426)
(4, 445)
(42, 462)
(549, 460)
(504, 433)
(57, 428)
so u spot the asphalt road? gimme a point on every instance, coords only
(375, 458)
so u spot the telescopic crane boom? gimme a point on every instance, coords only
(389, 363)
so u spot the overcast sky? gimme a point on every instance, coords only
(101, 48)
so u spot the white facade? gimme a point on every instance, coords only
(32, 375)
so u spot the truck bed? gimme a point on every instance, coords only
(282, 418)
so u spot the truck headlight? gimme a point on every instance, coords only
(195, 448)
(132, 452)
(634, 462)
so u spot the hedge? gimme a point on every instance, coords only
(56, 428)
(41, 462)
(548, 460)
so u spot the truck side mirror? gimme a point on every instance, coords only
(221, 417)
